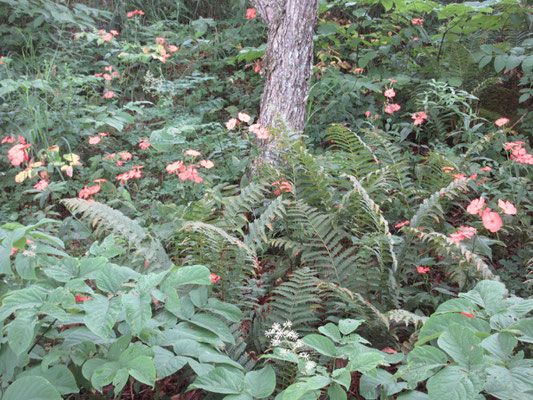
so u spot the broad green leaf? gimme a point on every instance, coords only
(21, 331)
(462, 345)
(101, 314)
(513, 61)
(527, 64)
(321, 344)
(261, 383)
(499, 62)
(193, 274)
(219, 359)
(221, 380)
(149, 281)
(59, 376)
(110, 278)
(91, 365)
(104, 374)
(166, 362)
(453, 383)
(336, 392)
(509, 383)
(366, 362)
(388, 386)
(135, 350)
(31, 387)
(500, 345)
(143, 369)
(343, 377)
(138, 310)
(437, 324)
(412, 395)
(330, 330)
(229, 311)
(456, 305)
(120, 379)
(525, 326)
(214, 325)
(185, 330)
(347, 326)
(422, 363)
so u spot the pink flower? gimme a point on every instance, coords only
(190, 173)
(109, 68)
(103, 134)
(94, 139)
(392, 80)
(475, 206)
(173, 48)
(82, 299)
(144, 144)
(41, 185)
(486, 169)
(125, 155)
(507, 207)
(17, 155)
(491, 220)
(214, 278)
(447, 170)
(468, 315)
(232, 123)
(175, 166)
(419, 117)
(390, 93)
(130, 14)
(357, 70)
(259, 131)
(8, 139)
(244, 117)
(367, 113)
(416, 39)
(110, 156)
(458, 177)
(422, 270)
(107, 77)
(207, 164)
(109, 95)
(115, 73)
(501, 121)
(390, 108)
(418, 21)
(402, 224)
(250, 13)
(107, 37)
(113, 32)
(193, 153)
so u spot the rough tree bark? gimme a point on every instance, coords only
(287, 64)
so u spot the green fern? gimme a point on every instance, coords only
(103, 217)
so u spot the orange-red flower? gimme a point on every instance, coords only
(109, 95)
(250, 13)
(214, 278)
(468, 315)
(491, 220)
(41, 185)
(418, 21)
(475, 206)
(501, 121)
(402, 224)
(232, 123)
(192, 152)
(175, 166)
(82, 299)
(94, 139)
(422, 270)
(207, 164)
(125, 155)
(144, 144)
(419, 117)
(8, 139)
(110, 156)
(244, 117)
(190, 173)
(507, 207)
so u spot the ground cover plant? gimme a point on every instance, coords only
(158, 242)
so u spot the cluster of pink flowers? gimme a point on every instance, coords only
(418, 21)
(144, 144)
(135, 172)
(133, 13)
(107, 36)
(389, 93)
(368, 114)
(260, 131)
(458, 177)
(1, 60)
(518, 152)
(465, 232)
(491, 220)
(17, 154)
(419, 117)
(501, 121)
(284, 186)
(108, 74)
(402, 224)
(190, 171)
(87, 192)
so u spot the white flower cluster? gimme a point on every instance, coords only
(289, 341)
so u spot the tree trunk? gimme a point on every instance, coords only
(287, 65)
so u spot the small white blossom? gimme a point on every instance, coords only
(309, 366)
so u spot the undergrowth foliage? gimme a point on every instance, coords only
(147, 249)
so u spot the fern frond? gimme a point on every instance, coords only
(406, 317)
(444, 244)
(236, 206)
(256, 237)
(104, 217)
(295, 300)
